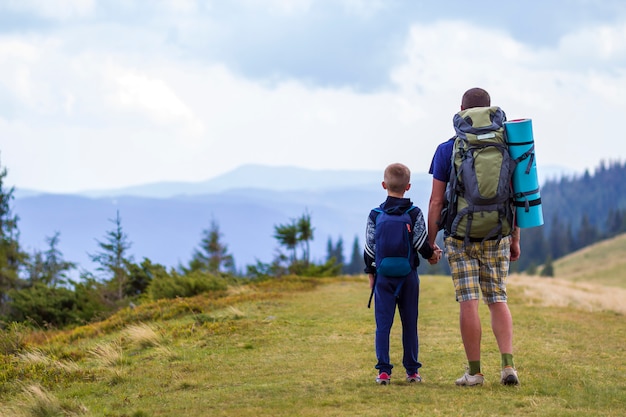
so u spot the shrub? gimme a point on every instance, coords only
(56, 306)
(188, 285)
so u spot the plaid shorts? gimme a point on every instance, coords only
(479, 267)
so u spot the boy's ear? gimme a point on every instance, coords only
(384, 185)
(408, 186)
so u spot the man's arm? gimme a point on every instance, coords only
(437, 200)
(516, 251)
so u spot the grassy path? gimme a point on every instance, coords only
(311, 354)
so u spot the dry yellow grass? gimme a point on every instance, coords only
(108, 354)
(37, 356)
(36, 401)
(565, 293)
(142, 335)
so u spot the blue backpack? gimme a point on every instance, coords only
(395, 256)
(394, 243)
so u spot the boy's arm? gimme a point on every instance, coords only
(420, 237)
(370, 247)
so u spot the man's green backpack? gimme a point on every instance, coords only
(480, 194)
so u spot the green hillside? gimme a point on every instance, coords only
(304, 347)
(601, 263)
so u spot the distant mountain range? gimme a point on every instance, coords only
(164, 221)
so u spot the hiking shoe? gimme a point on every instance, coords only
(383, 378)
(411, 378)
(470, 380)
(509, 376)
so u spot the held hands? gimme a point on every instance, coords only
(437, 253)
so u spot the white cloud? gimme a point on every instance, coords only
(606, 44)
(154, 98)
(365, 8)
(92, 115)
(178, 6)
(57, 9)
(17, 58)
(279, 7)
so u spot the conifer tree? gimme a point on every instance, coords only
(48, 267)
(587, 233)
(212, 256)
(329, 249)
(11, 255)
(356, 260)
(113, 257)
(548, 268)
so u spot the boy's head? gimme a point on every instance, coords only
(475, 97)
(397, 179)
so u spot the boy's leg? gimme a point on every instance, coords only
(408, 303)
(384, 311)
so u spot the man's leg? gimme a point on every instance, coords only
(471, 331)
(502, 326)
(497, 258)
(464, 268)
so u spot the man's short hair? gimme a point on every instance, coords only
(475, 97)
(397, 177)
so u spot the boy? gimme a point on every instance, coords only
(395, 233)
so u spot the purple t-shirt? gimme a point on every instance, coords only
(441, 164)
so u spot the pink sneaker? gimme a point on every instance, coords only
(383, 378)
(416, 377)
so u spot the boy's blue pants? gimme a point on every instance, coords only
(385, 302)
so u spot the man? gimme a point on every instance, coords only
(477, 266)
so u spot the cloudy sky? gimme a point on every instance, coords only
(98, 94)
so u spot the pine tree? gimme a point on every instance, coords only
(11, 255)
(330, 249)
(48, 267)
(339, 258)
(356, 260)
(548, 268)
(212, 256)
(587, 233)
(55, 266)
(113, 258)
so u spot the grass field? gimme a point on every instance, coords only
(304, 347)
